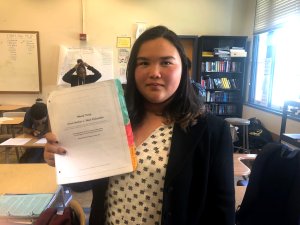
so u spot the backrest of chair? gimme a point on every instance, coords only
(273, 193)
(13, 114)
(78, 210)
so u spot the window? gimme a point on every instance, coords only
(276, 57)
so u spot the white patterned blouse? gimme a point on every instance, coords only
(136, 198)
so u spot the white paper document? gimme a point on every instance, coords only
(41, 141)
(92, 124)
(16, 141)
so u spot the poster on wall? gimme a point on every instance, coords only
(123, 57)
(99, 58)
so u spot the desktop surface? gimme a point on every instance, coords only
(27, 178)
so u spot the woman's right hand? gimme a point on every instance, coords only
(52, 147)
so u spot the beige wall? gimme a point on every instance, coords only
(59, 22)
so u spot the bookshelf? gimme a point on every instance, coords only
(221, 71)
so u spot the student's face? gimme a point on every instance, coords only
(81, 72)
(158, 70)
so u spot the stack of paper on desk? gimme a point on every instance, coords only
(16, 141)
(92, 124)
(25, 205)
(26, 190)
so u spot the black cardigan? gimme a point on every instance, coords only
(199, 182)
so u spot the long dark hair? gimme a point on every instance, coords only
(184, 106)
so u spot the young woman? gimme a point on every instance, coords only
(185, 165)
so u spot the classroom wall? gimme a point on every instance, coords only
(59, 22)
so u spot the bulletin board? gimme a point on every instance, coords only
(20, 62)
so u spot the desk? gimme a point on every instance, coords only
(30, 144)
(37, 178)
(240, 169)
(27, 178)
(239, 194)
(11, 122)
(12, 107)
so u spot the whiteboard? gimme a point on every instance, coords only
(19, 62)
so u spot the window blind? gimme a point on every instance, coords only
(273, 13)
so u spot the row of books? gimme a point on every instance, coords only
(220, 109)
(221, 66)
(221, 83)
(221, 96)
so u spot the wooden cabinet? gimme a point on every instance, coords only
(221, 68)
(190, 45)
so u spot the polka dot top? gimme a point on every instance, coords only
(136, 198)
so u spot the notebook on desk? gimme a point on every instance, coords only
(27, 191)
(26, 208)
(24, 205)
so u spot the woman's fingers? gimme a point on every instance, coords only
(52, 147)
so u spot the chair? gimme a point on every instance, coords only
(244, 123)
(78, 211)
(71, 215)
(272, 196)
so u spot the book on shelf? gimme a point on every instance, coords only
(221, 109)
(222, 51)
(221, 96)
(217, 82)
(207, 54)
(224, 66)
(233, 83)
(225, 82)
(238, 53)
